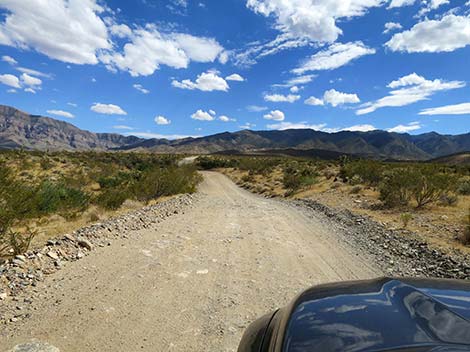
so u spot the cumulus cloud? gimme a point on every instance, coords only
(408, 90)
(141, 89)
(30, 80)
(77, 33)
(107, 109)
(308, 19)
(336, 55)
(457, 109)
(30, 90)
(294, 89)
(225, 118)
(447, 34)
(391, 26)
(235, 77)
(202, 115)
(149, 48)
(279, 98)
(206, 81)
(335, 98)
(400, 3)
(276, 115)
(314, 101)
(10, 80)
(412, 126)
(360, 128)
(61, 113)
(295, 125)
(161, 120)
(9, 59)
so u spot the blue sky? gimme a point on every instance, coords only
(197, 67)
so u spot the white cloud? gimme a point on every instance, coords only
(304, 79)
(69, 31)
(159, 136)
(457, 109)
(276, 115)
(141, 89)
(10, 80)
(149, 48)
(336, 55)
(162, 120)
(279, 98)
(235, 77)
(9, 60)
(360, 128)
(32, 72)
(294, 89)
(108, 109)
(295, 125)
(206, 81)
(247, 126)
(72, 104)
(212, 112)
(30, 90)
(400, 3)
(314, 21)
(225, 118)
(11, 91)
(61, 113)
(202, 115)
(391, 26)
(412, 126)
(335, 98)
(313, 101)
(256, 108)
(444, 35)
(123, 127)
(411, 89)
(120, 30)
(30, 80)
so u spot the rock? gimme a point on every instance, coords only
(3, 296)
(85, 244)
(52, 255)
(34, 346)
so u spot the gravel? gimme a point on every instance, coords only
(396, 252)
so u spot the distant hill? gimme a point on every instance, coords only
(454, 159)
(19, 129)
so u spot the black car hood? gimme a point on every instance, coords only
(380, 315)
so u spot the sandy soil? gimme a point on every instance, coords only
(192, 283)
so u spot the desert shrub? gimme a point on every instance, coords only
(366, 171)
(111, 199)
(329, 174)
(52, 197)
(356, 180)
(423, 185)
(405, 218)
(298, 175)
(160, 182)
(463, 187)
(448, 199)
(395, 188)
(212, 162)
(466, 230)
(248, 178)
(355, 190)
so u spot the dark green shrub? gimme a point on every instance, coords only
(463, 187)
(111, 199)
(52, 197)
(396, 187)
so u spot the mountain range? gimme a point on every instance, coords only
(22, 130)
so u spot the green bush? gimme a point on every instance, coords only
(369, 172)
(111, 199)
(463, 187)
(52, 197)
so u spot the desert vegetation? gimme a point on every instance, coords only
(386, 190)
(35, 186)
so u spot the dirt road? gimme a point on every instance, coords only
(192, 283)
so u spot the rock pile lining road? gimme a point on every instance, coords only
(25, 271)
(397, 252)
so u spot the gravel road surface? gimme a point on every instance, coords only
(192, 282)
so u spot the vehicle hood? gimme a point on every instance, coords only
(381, 315)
